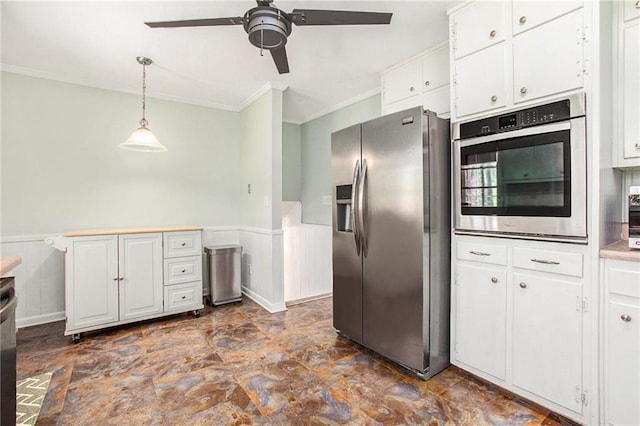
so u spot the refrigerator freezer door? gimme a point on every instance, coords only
(347, 263)
(393, 298)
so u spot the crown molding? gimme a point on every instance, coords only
(261, 91)
(339, 105)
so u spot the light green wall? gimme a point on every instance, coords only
(291, 162)
(62, 168)
(315, 155)
(261, 164)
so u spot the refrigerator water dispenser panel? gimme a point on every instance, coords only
(343, 201)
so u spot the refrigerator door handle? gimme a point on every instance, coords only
(362, 205)
(354, 206)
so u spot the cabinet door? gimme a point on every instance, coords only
(477, 26)
(435, 69)
(140, 262)
(438, 100)
(631, 9)
(481, 317)
(528, 14)
(623, 364)
(402, 82)
(630, 90)
(547, 338)
(479, 81)
(549, 59)
(92, 282)
(401, 105)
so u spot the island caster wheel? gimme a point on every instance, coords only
(196, 313)
(76, 338)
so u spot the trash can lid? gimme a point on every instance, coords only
(230, 248)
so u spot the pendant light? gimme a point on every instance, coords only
(142, 139)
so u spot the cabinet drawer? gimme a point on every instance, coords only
(182, 269)
(435, 69)
(481, 252)
(556, 262)
(624, 280)
(183, 297)
(182, 244)
(631, 9)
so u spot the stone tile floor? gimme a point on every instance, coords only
(239, 364)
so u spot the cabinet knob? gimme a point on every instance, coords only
(184, 297)
(411, 89)
(116, 279)
(523, 90)
(523, 285)
(426, 83)
(522, 19)
(625, 318)
(492, 34)
(184, 270)
(638, 144)
(494, 280)
(638, 4)
(494, 98)
(183, 244)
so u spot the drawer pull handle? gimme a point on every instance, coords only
(546, 262)
(184, 270)
(184, 297)
(494, 98)
(522, 19)
(479, 253)
(625, 318)
(492, 34)
(523, 285)
(183, 244)
(494, 280)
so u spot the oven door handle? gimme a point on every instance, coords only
(8, 309)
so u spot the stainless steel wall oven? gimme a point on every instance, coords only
(523, 173)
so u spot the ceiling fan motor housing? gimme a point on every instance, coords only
(267, 27)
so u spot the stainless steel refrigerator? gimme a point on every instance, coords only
(391, 237)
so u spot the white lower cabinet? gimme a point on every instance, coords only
(520, 318)
(621, 342)
(547, 338)
(117, 279)
(481, 335)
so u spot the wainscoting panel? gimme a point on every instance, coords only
(307, 256)
(39, 280)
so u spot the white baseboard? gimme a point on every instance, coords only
(40, 319)
(308, 299)
(271, 307)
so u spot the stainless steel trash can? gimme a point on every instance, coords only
(222, 271)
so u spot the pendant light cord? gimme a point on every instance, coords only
(144, 121)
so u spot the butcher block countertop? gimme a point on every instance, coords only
(620, 251)
(7, 263)
(142, 230)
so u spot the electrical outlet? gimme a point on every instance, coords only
(326, 200)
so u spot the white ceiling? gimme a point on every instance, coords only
(95, 44)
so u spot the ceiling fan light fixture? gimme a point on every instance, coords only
(142, 139)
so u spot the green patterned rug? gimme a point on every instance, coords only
(30, 394)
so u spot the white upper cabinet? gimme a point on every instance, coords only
(478, 26)
(479, 81)
(402, 82)
(435, 69)
(630, 91)
(529, 14)
(422, 80)
(549, 59)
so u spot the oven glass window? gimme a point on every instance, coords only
(526, 176)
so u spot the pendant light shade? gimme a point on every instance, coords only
(142, 139)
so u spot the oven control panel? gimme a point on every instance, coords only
(542, 114)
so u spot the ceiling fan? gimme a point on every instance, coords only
(268, 27)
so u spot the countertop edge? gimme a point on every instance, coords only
(620, 250)
(8, 263)
(140, 230)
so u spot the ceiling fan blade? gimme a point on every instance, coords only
(338, 17)
(280, 58)
(197, 22)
